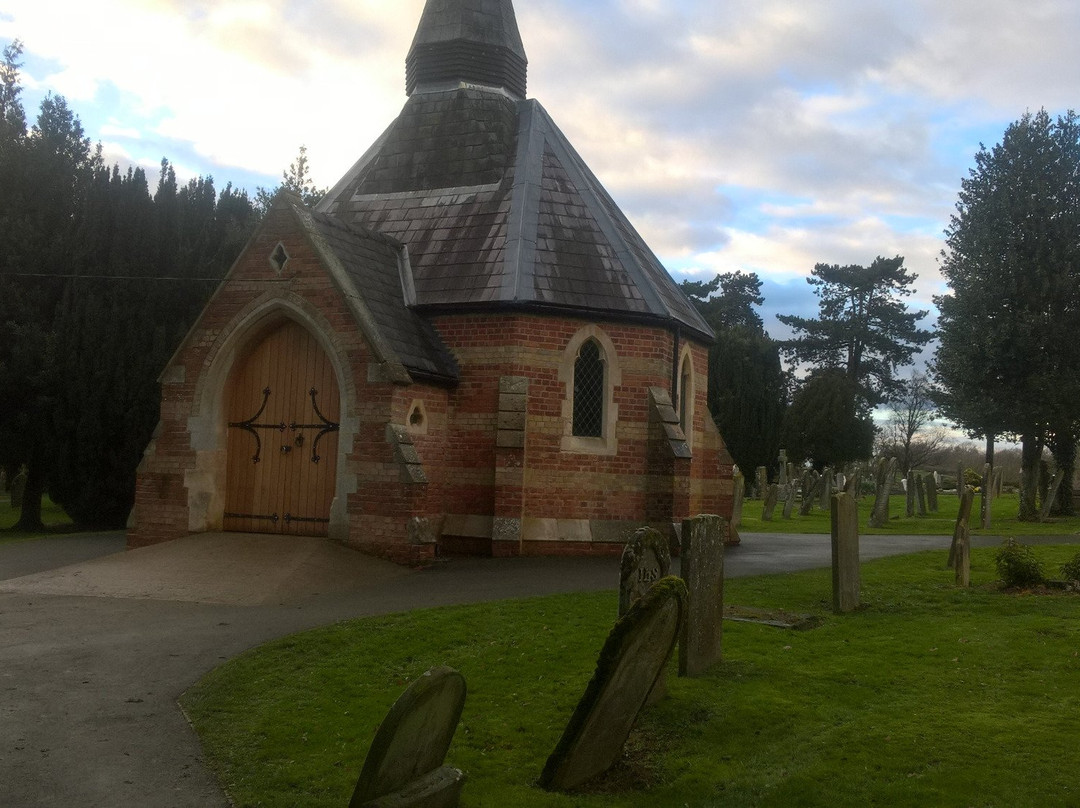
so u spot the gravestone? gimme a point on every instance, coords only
(811, 483)
(931, 492)
(789, 499)
(18, 489)
(884, 472)
(826, 488)
(404, 767)
(845, 553)
(784, 478)
(738, 494)
(841, 482)
(761, 481)
(960, 551)
(701, 560)
(963, 517)
(772, 494)
(909, 489)
(646, 559)
(1051, 495)
(920, 491)
(634, 654)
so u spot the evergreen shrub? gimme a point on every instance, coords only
(1018, 566)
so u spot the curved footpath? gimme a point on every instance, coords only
(96, 643)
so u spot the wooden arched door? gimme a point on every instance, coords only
(282, 409)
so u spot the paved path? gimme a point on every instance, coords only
(96, 644)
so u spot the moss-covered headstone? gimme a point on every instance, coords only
(635, 652)
(702, 565)
(646, 559)
(404, 767)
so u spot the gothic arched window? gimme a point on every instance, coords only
(589, 391)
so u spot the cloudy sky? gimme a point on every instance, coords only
(761, 135)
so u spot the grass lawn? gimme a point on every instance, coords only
(930, 695)
(56, 521)
(1003, 520)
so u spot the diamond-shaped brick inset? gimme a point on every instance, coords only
(279, 258)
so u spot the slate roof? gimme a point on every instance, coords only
(475, 41)
(374, 274)
(498, 210)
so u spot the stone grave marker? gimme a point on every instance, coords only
(845, 553)
(738, 494)
(634, 654)
(702, 564)
(812, 482)
(960, 551)
(826, 491)
(761, 481)
(963, 516)
(920, 493)
(1047, 504)
(772, 494)
(909, 489)
(784, 480)
(789, 500)
(404, 767)
(18, 489)
(883, 478)
(931, 492)
(646, 559)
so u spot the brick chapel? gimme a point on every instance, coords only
(465, 347)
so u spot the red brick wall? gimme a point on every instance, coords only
(604, 495)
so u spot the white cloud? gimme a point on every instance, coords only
(759, 135)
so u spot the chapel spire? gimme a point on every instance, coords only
(471, 41)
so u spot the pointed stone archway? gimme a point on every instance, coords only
(282, 414)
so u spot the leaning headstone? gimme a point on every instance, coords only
(761, 481)
(635, 652)
(960, 551)
(826, 488)
(811, 483)
(772, 494)
(789, 499)
(18, 489)
(961, 532)
(738, 494)
(1051, 495)
(931, 492)
(404, 766)
(646, 559)
(845, 553)
(920, 492)
(909, 489)
(701, 560)
(885, 470)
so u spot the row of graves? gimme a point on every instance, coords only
(658, 612)
(807, 489)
